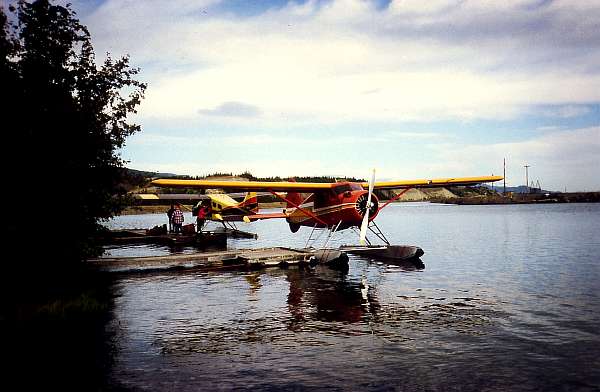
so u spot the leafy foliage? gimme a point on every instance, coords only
(64, 114)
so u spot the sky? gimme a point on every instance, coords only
(415, 89)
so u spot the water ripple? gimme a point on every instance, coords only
(508, 299)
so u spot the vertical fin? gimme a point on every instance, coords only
(250, 202)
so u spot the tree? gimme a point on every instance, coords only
(66, 119)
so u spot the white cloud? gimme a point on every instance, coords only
(311, 62)
(549, 128)
(263, 139)
(570, 111)
(417, 135)
(421, 7)
(232, 109)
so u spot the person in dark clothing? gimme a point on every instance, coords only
(170, 215)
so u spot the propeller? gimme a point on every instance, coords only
(365, 221)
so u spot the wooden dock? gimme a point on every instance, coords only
(204, 238)
(216, 260)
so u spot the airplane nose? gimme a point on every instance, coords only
(361, 204)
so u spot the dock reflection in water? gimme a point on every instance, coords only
(509, 299)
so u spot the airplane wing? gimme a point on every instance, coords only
(277, 186)
(287, 186)
(434, 183)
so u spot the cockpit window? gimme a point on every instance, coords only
(341, 189)
(346, 187)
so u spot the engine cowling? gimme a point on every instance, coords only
(361, 205)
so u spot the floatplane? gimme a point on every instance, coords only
(223, 208)
(219, 207)
(331, 206)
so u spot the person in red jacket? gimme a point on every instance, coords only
(201, 218)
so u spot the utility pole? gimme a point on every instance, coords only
(504, 188)
(527, 176)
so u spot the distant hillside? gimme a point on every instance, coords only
(148, 174)
(435, 194)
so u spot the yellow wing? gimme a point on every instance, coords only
(288, 186)
(434, 183)
(279, 186)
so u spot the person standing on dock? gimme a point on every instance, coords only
(201, 218)
(177, 219)
(170, 215)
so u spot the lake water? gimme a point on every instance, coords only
(509, 299)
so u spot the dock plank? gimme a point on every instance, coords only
(241, 258)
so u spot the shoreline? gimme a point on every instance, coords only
(523, 198)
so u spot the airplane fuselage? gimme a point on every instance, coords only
(346, 203)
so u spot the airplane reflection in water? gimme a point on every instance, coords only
(327, 294)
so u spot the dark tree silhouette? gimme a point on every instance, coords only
(64, 120)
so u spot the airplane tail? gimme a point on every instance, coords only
(250, 202)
